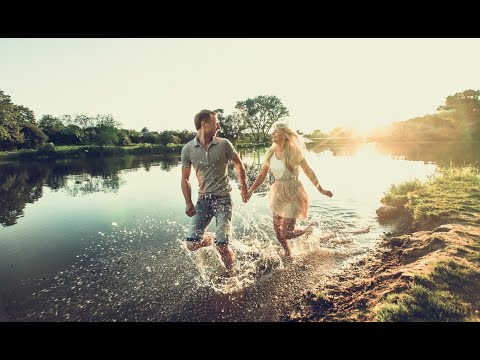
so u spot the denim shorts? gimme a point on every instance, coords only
(206, 209)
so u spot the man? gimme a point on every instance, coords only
(209, 156)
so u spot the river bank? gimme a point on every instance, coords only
(48, 151)
(427, 270)
(88, 151)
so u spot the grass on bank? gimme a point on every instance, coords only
(450, 195)
(448, 293)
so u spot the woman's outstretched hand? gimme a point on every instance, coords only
(326, 192)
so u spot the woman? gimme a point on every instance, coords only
(287, 197)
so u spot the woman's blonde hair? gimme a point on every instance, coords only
(293, 148)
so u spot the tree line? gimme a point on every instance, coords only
(20, 130)
(457, 119)
(250, 122)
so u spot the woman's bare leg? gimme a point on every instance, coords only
(278, 226)
(291, 232)
(362, 231)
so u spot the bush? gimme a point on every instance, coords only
(46, 149)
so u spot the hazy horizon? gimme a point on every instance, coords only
(161, 83)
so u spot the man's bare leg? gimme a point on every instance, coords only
(207, 240)
(228, 258)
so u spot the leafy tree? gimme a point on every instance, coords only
(152, 137)
(106, 120)
(10, 136)
(464, 109)
(105, 131)
(52, 127)
(341, 132)
(260, 113)
(83, 121)
(33, 136)
(166, 137)
(105, 135)
(316, 134)
(124, 137)
(230, 125)
(71, 135)
(466, 104)
(24, 115)
(66, 119)
(185, 136)
(49, 123)
(135, 136)
(124, 140)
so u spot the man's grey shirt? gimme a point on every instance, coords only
(211, 165)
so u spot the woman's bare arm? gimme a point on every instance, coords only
(259, 180)
(313, 178)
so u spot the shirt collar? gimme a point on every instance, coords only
(196, 142)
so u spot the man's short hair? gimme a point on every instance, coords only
(203, 115)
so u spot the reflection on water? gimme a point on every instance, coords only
(443, 154)
(102, 241)
(22, 183)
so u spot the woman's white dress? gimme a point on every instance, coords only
(287, 196)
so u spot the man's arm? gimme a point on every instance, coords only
(187, 191)
(241, 176)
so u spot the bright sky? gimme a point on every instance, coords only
(162, 83)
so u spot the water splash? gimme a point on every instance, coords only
(144, 272)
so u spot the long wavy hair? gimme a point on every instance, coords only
(293, 149)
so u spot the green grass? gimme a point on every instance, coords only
(457, 276)
(450, 195)
(474, 257)
(421, 304)
(450, 291)
(446, 294)
(398, 194)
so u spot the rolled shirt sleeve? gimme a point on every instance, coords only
(185, 157)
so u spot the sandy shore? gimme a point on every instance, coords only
(391, 268)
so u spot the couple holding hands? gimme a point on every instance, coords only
(210, 155)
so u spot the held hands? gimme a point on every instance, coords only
(190, 210)
(245, 194)
(326, 192)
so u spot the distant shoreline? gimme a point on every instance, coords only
(89, 151)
